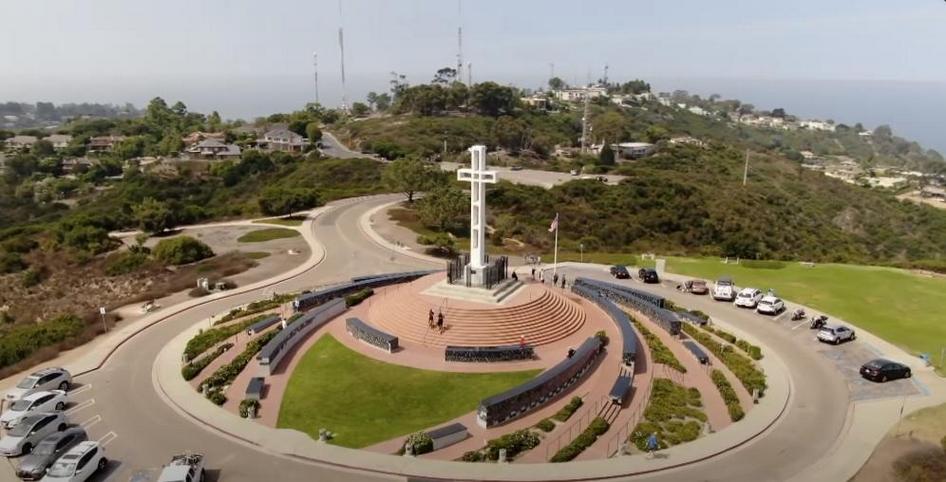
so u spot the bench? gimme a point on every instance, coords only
(620, 389)
(254, 389)
(448, 435)
(697, 352)
(371, 335)
(262, 325)
(618, 317)
(489, 353)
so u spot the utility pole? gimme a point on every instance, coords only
(315, 66)
(460, 42)
(584, 123)
(341, 48)
(745, 172)
(605, 79)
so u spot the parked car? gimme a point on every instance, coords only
(836, 334)
(574, 172)
(724, 289)
(46, 379)
(515, 168)
(620, 272)
(46, 401)
(748, 298)
(696, 286)
(648, 275)
(79, 463)
(34, 465)
(31, 430)
(183, 468)
(770, 305)
(881, 370)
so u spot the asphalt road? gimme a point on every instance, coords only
(332, 147)
(118, 403)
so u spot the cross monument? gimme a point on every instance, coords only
(478, 177)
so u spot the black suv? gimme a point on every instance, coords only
(648, 275)
(620, 272)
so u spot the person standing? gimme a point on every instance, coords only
(563, 281)
(554, 279)
(430, 319)
(652, 445)
(542, 276)
(533, 273)
(440, 322)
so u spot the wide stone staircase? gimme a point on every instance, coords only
(546, 318)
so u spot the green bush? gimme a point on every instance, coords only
(227, 373)
(420, 442)
(567, 411)
(31, 278)
(672, 413)
(356, 298)
(750, 376)
(595, 429)
(125, 262)
(545, 425)
(11, 262)
(249, 406)
(192, 369)
(202, 341)
(660, 353)
(603, 336)
(473, 456)
(181, 250)
(256, 307)
(729, 395)
(514, 443)
(216, 396)
(20, 341)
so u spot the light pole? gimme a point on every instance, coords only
(581, 252)
(102, 314)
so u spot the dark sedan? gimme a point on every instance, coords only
(620, 272)
(881, 370)
(648, 275)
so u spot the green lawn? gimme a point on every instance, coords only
(281, 221)
(365, 401)
(897, 305)
(268, 234)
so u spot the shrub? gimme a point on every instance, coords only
(356, 298)
(473, 456)
(658, 350)
(420, 442)
(595, 429)
(514, 443)
(567, 411)
(256, 307)
(11, 262)
(181, 250)
(603, 336)
(20, 341)
(545, 425)
(924, 465)
(729, 395)
(192, 369)
(672, 413)
(31, 278)
(216, 396)
(227, 373)
(202, 341)
(750, 376)
(125, 262)
(248, 406)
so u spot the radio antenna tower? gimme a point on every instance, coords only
(585, 128)
(605, 79)
(315, 66)
(460, 42)
(469, 73)
(341, 48)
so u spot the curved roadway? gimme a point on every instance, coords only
(149, 431)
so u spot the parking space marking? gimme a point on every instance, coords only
(86, 404)
(82, 389)
(90, 422)
(107, 438)
(800, 325)
(779, 317)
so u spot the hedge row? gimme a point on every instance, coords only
(545, 425)
(514, 443)
(595, 429)
(752, 350)
(567, 411)
(420, 442)
(202, 341)
(355, 298)
(256, 307)
(729, 395)
(673, 413)
(750, 376)
(192, 369)
(658, 350)
(227, 373)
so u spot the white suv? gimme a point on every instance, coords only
(748, 298)
(770, 305)
(51, 401)
(836, 334)
(46, 379)
(78, 464)
(724, 290)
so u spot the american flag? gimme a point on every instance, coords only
(554, 226)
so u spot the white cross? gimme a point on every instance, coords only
(478, 177)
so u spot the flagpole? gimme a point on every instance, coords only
(555, 256)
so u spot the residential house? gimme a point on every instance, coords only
(536, 100)
(103, 143)
(817, 125)
(577, 95)
(282, 139)
(214, 149)
(59, 141)
(698, 111)
(633, 150)
(20, 143)
(195, 137)
(688, 140)
(77, 164)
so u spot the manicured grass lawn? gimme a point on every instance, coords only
(365, 401)
(281, 221)
(267, 234)
(897, 305)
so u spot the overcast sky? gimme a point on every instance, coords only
(120, 50)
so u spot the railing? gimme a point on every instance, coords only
(591, 410)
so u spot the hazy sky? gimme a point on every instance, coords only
(250, 57)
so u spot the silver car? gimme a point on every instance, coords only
(33, 466)
(45, 379)
(29, 431)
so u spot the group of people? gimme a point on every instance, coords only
(541, 278)
(439, 324)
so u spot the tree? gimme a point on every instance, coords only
(445, 76)
(492, 99)
(556, 83)
(181, 250)
(130, 147)
(153, 216)
(372, 99)
(408, 175)
(656, 134)
(606, 156)
(359, 109)
(42, 148)
(214, 122)
(313, 132)
(383, 102)
(610, 127)
(278, 201)
(778, 112)
(423, 100)
(443, 208)
(746, 109)
(510, 133)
